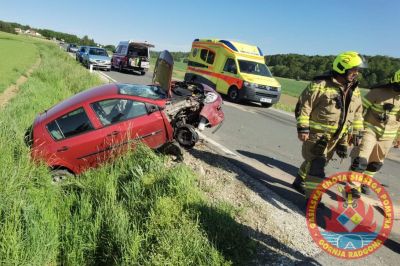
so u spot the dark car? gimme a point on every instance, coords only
(80, 52)
(93, 126)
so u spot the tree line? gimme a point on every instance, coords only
(49, 34)
(294, 66)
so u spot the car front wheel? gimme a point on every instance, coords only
(233, 95)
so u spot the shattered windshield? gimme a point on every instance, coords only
(254, 68)
(152, 92)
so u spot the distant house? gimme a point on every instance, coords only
(18, 30)
(32, 33)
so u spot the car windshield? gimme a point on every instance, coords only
(98, 51)
(254, 68)
(152, 92)
(73, 45)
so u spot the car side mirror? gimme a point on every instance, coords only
(151, 108)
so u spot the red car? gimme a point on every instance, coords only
(88, 128)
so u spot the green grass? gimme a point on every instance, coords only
(132, 212)
(17, 56)
(292, 87)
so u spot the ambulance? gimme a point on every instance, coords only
(235, 69)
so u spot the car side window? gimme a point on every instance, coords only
(230, 66)
(116, 110)
(69, 125)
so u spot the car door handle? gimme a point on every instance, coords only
(64, 148)
(114, 133)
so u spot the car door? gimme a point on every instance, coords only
(77, 144)
(132, 122)
(228, 76)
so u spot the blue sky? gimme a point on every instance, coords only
(310, 27)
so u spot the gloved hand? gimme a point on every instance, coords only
(341, 150)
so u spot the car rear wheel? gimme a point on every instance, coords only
(60, 174)
(142, 73)
(120, 69)
(233, 95)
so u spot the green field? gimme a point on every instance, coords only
(292, 87)
(135, 211)
(17, 56)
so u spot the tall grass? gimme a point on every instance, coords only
(132, 212)
(16, 57)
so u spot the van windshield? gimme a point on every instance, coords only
(254, 68)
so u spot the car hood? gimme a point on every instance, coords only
(162, 75)
(99, 57)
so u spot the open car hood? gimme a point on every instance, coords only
(162, 75)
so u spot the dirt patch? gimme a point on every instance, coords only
(12, 90)
(288, 100)
(274, 223)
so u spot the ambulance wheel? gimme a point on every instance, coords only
(266, 105)
(233, 95)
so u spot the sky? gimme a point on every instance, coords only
(311, 27)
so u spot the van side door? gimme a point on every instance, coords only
(228, 76)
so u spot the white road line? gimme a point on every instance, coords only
(216, 144)
(107, 76)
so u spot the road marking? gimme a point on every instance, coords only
(107, 76)
(242, 108)
(219, 146)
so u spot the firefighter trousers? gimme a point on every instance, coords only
(312, 170)
(372, 152)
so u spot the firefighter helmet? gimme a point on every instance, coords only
(348, 60)
(396, 77)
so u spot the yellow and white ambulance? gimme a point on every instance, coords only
(235, 69)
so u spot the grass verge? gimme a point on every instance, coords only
(17, 56)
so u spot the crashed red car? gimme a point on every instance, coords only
(86, 129)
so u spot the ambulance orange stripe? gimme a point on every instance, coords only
(228, 79)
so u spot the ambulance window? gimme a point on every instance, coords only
(230, 66)
(210, 57)
(203, 54)
(194, 53)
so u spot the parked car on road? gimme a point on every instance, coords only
(132, 56)
(72, 48)
(98, 57)
(95, 125)
(80, 52)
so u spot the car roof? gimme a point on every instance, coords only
(80, 98)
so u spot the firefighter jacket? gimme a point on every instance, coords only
(325, 107)
(382, 112)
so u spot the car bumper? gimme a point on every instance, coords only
(102, 66)
(259, 95)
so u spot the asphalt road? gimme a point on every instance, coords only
(264, 143)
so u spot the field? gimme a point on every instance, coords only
(134, 211)
(16, 58)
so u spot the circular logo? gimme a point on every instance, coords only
(354, 227)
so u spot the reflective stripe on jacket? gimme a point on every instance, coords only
(319, 108)
(385, 123)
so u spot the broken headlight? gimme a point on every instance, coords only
(210, 97)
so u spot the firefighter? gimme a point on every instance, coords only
(382, 126)
(327, 111)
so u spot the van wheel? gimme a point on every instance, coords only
(120, 69)
(266, 105)
(142, 73)
(233, 95)
(60, 174)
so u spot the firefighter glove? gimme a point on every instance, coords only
(341, 150)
